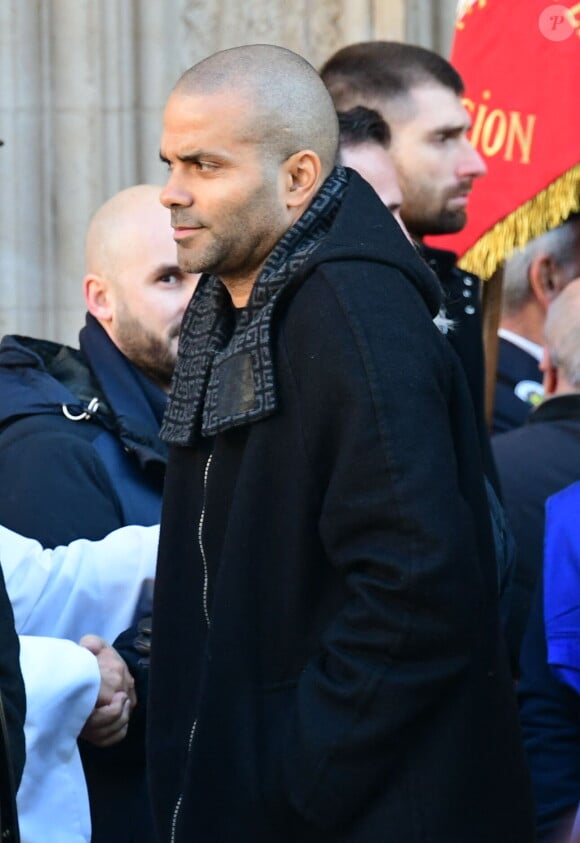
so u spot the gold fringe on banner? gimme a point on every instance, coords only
(546, 210)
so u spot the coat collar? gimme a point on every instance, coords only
(225, 375)
(558, 408)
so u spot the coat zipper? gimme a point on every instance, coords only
(180, 800)
(177, 808)
(200, 542)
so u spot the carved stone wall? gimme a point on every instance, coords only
(83, 84)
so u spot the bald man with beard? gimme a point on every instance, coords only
(79, 437)
(326, 661)
(132, 286)
(80, 453)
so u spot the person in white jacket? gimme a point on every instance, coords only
(58, 596)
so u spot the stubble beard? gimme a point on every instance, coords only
(208, 260)
(444, 221)
(154, 356)
(447, 222)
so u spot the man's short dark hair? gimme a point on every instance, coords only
(362, 125)
(379, 70)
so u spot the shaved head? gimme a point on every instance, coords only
(288, 106)
(249, 137)
(133, 285)
(120, 218)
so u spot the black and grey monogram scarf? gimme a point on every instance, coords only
(225, 374)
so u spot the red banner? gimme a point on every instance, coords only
(520, 62)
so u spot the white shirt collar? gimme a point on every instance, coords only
(526, 345)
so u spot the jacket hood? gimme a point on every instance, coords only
(30, 383)
(364, 229)
(40, 377)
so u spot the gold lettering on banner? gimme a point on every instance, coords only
(496, 131)
(479, 117)
(516, 131)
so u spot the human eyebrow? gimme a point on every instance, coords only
(450, 130)
(192, 157)
(197, 157)
(203, 158)
(188, 157)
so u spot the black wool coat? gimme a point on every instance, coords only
(327, 663)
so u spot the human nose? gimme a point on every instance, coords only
(174, 193)
(471, 164)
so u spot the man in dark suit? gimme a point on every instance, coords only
(79, 428)
(533, 277)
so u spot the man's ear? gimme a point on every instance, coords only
(545, 280)
(302, 176)
(98, 297)
(549, 372)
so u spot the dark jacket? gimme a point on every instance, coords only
(534, 461)
(83, 478)
(461, 299)
(326, 661)
(517, 376)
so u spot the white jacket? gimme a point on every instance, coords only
(63, 594)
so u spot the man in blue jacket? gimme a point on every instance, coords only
(79, 428)
(80, 451)
(326, 663)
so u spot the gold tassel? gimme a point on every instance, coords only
(546, 210)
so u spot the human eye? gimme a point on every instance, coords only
(206, 166)
(170, 279)
(446, 136)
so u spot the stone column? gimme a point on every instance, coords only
(93, 130)
(430, 23)
(26, 257)
(67, 76)
(315, 30)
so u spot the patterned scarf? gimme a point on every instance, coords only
(225, 373)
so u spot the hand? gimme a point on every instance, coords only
(108, 724)
(109, 721)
